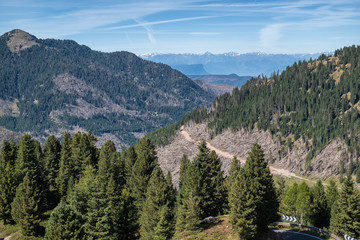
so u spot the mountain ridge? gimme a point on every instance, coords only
(305, 118)
(50, 86)
(243, 64)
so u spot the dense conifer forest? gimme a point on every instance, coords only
(102, 193)
(58, 84)
(316, 100)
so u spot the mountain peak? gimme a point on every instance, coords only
(19, 40)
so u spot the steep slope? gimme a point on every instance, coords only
(231, 79)
(51, 86)
(214, 88)
(307, 118)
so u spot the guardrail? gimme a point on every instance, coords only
(307, 227)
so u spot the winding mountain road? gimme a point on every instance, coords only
(219, 152)
(290, 235)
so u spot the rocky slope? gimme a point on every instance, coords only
(51, 86)
(306, 119)
(282, 161)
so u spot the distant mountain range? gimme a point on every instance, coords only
(248, 64)
(191, 69)
(51, 86)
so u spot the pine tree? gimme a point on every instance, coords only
(189, 212)
(158, 198)
(331, 193)
(76, 158)
(88, 151)
(64, 223)
(303, 203)
(8, 181)
(262, 188)
(184, 163)
(125, 220)
(25, 207)
(234, 169)
(142, 169)
(65, 166)
(212, 188)
(98, 217)
(289, 203)
(345, 216)
(51, 159)
(26, 159)
(164, 228)
(80, 195)
(321, 214)
(105, 166)
(242, 206)
(235, 166)
(130, 160)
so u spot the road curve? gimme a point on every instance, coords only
(289, 235)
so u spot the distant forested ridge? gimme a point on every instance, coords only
(49, 86)
(316, 100)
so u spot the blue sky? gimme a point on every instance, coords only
(190, 26)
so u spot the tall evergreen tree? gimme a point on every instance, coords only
(81, 193)
(26, 158)
(25, 207)
(303, 203)
(189, 212)
(288, 206)
(8, 181)
(321, 212)
(242, 206)
(331, 193)
(130, 159)
(142, 169)
(28, 161)
(262, 188)
(98, 217)
(124, 216)
(88, 151)
(184, 163)
(158, 199)
(76, 155)
(235, 166)
(345, 216)
(65, 166)
(105, 166)
(212, 188)
(51, 159)
(64, 223)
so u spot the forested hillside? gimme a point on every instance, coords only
(49, 86)
(314, 101)
(74, 190)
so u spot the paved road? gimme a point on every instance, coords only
(289, 235)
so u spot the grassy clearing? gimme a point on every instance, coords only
(216, 231)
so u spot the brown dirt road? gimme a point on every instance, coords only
(274, 170)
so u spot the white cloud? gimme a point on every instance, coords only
(270, 35)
